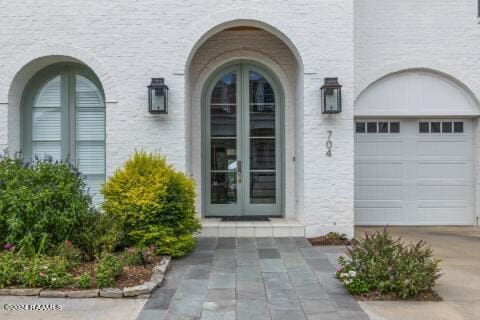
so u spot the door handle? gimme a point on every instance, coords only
(239, 171)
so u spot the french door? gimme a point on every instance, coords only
(242, 144)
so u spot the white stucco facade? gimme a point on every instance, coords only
(127, 43)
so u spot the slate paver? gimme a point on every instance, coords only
(253, 278)
(249, 273)
(181, 309)
(276, 280)
(265, 243)
(160, 299)
(198, 272)
(252, 310)
(310, 291)
(268, 253)
(282, 294)
(272, 265)
(219, 294)
(321, 264)
(246, 244)
(206, 244)
(250, 290)
(226, 243)
(287, 315)
(222, 280)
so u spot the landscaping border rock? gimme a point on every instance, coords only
(25, 291)
(47, 293)
(111, 293)
(142, 291)
(4, 292)
(84, 294)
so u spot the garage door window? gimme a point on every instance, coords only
(377, 127)
(446, 127)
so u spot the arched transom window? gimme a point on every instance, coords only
(64, 118)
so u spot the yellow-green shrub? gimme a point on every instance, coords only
(153, 203)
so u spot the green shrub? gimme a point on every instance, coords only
(42, 204)
(379, 263)
(83, 281)
(108, 269)
(154, 204)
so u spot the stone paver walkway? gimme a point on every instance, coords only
(253, 278)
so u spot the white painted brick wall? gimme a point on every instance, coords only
(128, 42)
(442, 35)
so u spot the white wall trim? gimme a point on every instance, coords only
(442, 68)
(194, 36)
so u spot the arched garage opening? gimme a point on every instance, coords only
(414, 151)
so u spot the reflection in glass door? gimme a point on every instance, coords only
(243, 165)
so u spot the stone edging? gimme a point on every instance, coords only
(141, 291)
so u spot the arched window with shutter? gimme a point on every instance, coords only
(64, 118)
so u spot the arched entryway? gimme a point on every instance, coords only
(250, 46)
(242, 142)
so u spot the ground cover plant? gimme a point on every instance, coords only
(52, 236)
(380, 267)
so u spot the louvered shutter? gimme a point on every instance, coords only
(90, 134)
(47, 121)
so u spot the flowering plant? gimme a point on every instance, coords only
(348, 276)
(379, 263)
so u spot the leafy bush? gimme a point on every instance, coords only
(108, 269)
(154, 204)
(379, 263)
(42, 204)
(83, 281)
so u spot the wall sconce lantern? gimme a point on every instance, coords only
(331, 96)
(158, 96)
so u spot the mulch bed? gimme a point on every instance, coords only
(378, 296)
(131, 275)
(329, 241)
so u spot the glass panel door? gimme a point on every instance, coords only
(263, 167)
(223, 145)
(243, 149)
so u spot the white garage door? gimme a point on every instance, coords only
(414, 172)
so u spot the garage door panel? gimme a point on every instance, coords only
(441, 192)
(376, 182)
(379, 192)
(378, 170)
(381, 215)
(379, 148)
(443, 215)
(413, 178)
(443, 204)
(440, 170)
(447, 149)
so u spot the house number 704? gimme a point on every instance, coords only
(329, 144)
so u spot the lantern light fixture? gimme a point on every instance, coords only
(331, 96)
(158, 96)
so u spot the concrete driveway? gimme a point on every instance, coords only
(459, 250)
(72, 309)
